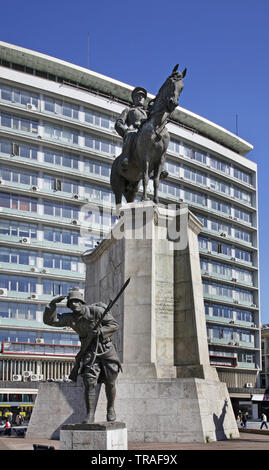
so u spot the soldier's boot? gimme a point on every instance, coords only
(110, 394)
(90, 398)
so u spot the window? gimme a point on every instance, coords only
(221, 311)
(17, 123)
(16, 256)
(102, 145)
(242, 195)
(18, 229)
(11, 201)
(194, 197)
(221, 227)
(18, 310)
(203, 243)
(221, 206)
(220, 186)
(18, 283)
(219, 165)
(242, 235)
(244, 315)
(242, 255)
(221, 248)
(170, 189)
(99, 194)
(242, 175)
(18, 176)
(64, 135)
(51, 183)
(194, 175)
(69, 263)
(172, 168)
(100, 120)
(174, 146)
(61, 210)
(54, 288)
(68, 161)
(60, 107)
(14, 95)
(97, 168)
(61, 236)
(242, 215)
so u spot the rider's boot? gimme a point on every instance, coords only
(110, 394)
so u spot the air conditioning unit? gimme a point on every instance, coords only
(249, 385)
(75, 196)
(26, 375)
(34, 378)
(31, 106)
(44, 271)
(253, 305)
(25, 240)
(236, 302)
(39, 341)
(74, 222)
(33, 270)
(34, 188)
(234, 279)
(3, 292)
(33, 296)
(16, 378)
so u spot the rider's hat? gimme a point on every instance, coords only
(75, 294)
(139, 89)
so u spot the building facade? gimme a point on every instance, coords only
(57, 144)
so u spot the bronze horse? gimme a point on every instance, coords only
(148, 150)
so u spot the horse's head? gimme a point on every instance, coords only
(167, 98)
(174, 85)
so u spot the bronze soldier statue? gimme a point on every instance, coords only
(130, 121)
(97, 361)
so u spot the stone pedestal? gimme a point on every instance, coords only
(168, 391)
(99, 436)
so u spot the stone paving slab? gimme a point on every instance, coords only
(247, 442)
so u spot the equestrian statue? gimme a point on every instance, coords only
(145, 140)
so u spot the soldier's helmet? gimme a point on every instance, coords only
(139, 89)
(75, 294)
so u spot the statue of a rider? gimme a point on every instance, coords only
(130, 121)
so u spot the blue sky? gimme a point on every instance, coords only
(223, 44)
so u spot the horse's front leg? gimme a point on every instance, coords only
(145, 180)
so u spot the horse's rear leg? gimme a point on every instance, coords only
(156, 182)
(145, 180)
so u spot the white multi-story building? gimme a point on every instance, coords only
(57, 144)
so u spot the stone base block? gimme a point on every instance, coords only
(97, 436)
(173, 410)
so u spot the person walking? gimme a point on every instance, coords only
(244, 420)
(264, 421)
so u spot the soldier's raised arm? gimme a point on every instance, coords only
(51, 317)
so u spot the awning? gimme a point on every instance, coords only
(260, 397)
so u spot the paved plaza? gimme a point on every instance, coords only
(247, 441)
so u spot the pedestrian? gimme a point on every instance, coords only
(264, 421)
(244, 420)
(8, 428)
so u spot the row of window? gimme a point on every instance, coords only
(29, 285)
(201, 178)
(230, 334)
(242, 356)
(50, 234)
(62, 107)
(229, 293)
(224, 229)
(222, 311)
(207, 159)
(224, 270)
(31, 337)
(216, 247)
(61, 134)
(49, 260)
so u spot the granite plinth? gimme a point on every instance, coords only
(96, 436)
